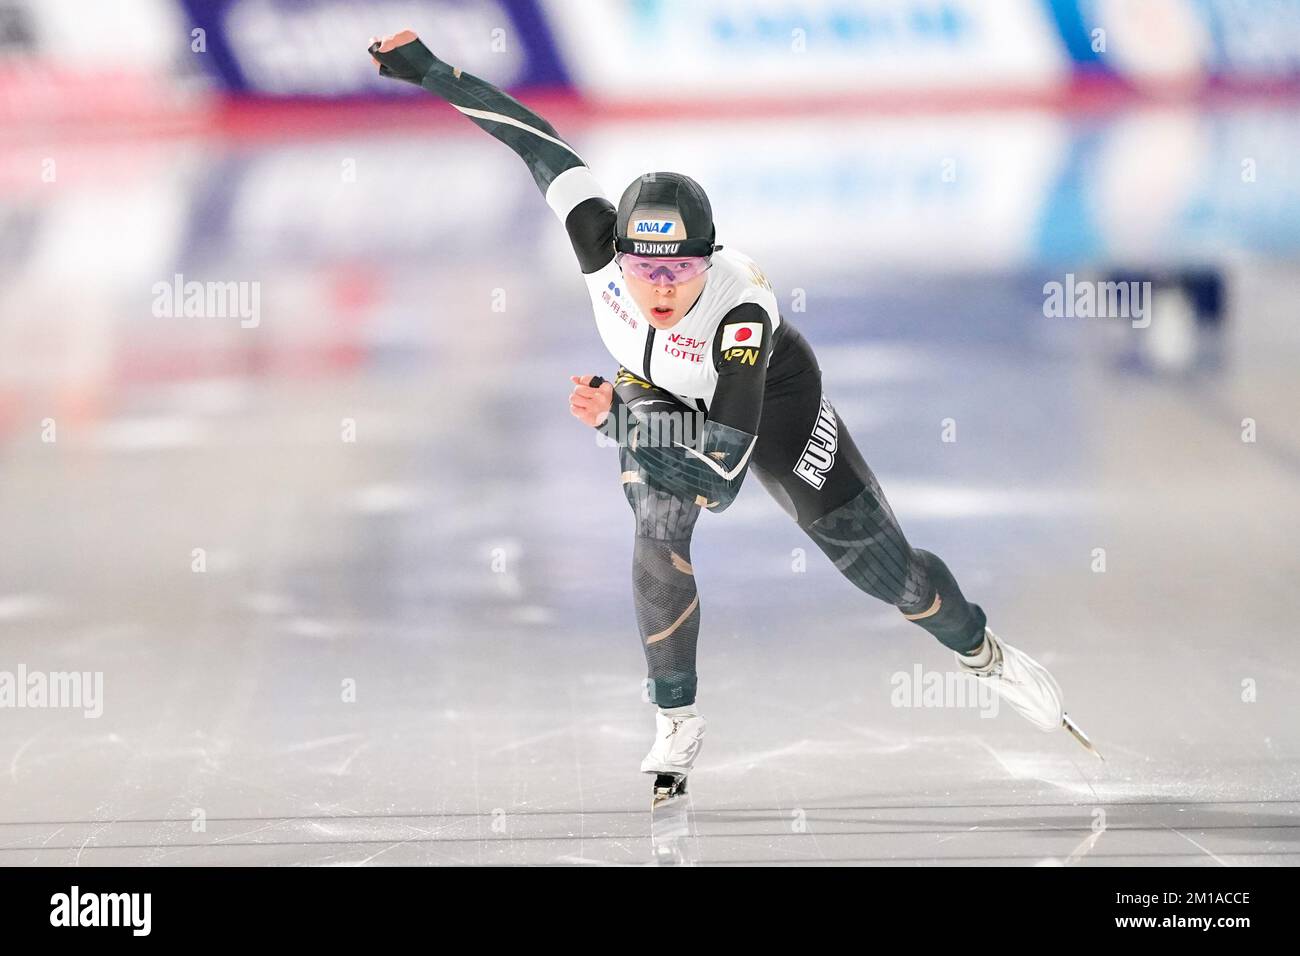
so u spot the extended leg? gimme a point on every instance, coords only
(808, 461)
(863, 539)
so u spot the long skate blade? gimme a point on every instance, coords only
(1080, 736)
(670, 823)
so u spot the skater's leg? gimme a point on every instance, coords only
(663, 587)
(663, 582)
(808, 461)
(810, 464)
(865, 542)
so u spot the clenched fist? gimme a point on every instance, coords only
(402, 56)
(590, 405)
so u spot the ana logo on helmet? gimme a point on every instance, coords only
(660, 227)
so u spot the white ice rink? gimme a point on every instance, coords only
(418, 647)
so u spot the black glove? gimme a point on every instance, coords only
(409, 62)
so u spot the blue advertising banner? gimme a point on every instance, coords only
(316, 48)
(1181, 41)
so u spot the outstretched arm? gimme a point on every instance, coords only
(566, 182)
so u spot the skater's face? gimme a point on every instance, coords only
(662, 300)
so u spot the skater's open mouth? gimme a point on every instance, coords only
(663, 310)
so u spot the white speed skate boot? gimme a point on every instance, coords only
(679, 734)
(1023, 683)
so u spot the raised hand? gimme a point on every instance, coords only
(402, 56)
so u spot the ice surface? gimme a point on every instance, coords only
(462, 569)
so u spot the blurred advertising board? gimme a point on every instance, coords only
(1182, 42)
(644, 50)
(65, 60)
(317, 48)
(641, 49)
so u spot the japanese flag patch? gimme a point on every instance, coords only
(747, 335)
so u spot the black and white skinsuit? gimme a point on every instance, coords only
(731, 387)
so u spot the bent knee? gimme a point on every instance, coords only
(659, 515)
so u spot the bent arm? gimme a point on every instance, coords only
(566, 182)
(708, 471)
(710, 467)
